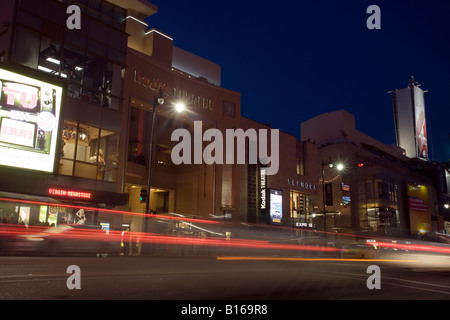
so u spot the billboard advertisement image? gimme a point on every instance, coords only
(419, 209)
(421, 130)
(276, 206)
(29, 122)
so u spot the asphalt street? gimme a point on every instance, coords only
(212, 278)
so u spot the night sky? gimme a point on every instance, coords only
(293, 60)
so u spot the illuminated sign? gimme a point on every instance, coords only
(174, 92)
(419, 208)
(262, 177)
(276, 206)
(306, 185)
(69, 193)
(29, 122)
(17, 132)
(346, 199)
(421, 131)
(304, 225)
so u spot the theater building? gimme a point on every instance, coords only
(286, 198)
(194, 189)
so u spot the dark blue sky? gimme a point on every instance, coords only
(292, 60)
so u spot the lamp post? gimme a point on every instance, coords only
(330, 164)
(157, 101)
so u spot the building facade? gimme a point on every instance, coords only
(88, 65)
(292, 188)
(78, 142)
(193, 188)
(378, 192)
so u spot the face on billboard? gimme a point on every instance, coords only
(29, 122)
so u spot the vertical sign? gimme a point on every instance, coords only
(262, 189)
(421, 129)
(276, 206)
(419, 209)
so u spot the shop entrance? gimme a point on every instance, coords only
(300, 209)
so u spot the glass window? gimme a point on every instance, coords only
(89, 152)
(26, 46)
(96, 47)
(117, 56)
(69, 139)
(56, 12)
(93, 79)
(72, 64)
(300, 166)
(75, 38)
(49, 56)
(92, 70)
(109, 149)
(107, 12)
(119, 17)
(53, 30)
(30, 20)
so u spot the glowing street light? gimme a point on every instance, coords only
(330, 164)
(157, 101)
(180, 106)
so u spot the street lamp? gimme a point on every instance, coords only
(330, 164)
(157, 101)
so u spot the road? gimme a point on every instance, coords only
(212, 278)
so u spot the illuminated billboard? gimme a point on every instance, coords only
(29, 122)
(410, 122)
(276, 206)
(420, 125)
(419, 209)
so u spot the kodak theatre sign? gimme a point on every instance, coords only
(176, 93)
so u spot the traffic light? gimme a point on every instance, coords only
(143, 195)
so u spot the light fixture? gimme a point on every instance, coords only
(160, 97)
(180, 107)
(330, 164)
(53, 60)
(45, 69)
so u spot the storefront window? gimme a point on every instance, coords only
(89, 152)
(44, 215)
(300, 206)
(18, 213)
